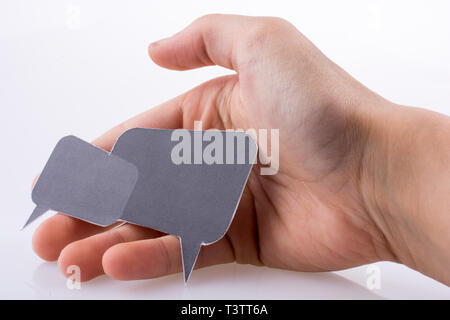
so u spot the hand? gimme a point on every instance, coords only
(321, 211)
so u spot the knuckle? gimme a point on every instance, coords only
(207, 18)
(166, 258)
(264, 38)
(268, 28)
(265, 31)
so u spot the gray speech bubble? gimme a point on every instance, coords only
(139, 182)
(85, 182)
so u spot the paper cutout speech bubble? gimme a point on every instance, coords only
(85, 182)
(185, 183)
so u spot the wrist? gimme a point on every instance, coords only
(407, 172)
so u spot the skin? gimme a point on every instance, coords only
(360, 179)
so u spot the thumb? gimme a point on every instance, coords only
(210, 40)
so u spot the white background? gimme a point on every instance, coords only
(60, 76)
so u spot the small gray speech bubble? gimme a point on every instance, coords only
(139, 182)
(85, 182)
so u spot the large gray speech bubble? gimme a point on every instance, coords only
(140, 182)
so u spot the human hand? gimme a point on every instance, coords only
(319, 212)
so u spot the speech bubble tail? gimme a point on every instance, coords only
(189, 254)
(37, 212)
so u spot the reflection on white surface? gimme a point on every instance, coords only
(25, 276)
(61, 76)
(218, 282)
